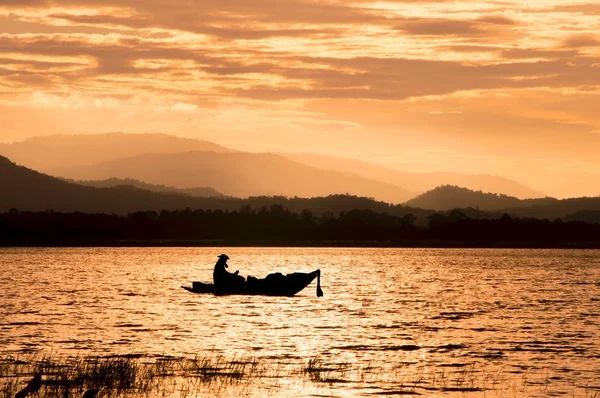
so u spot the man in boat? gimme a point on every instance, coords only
(225, 280)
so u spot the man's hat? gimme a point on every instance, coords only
(224, 256)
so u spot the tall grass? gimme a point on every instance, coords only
(217, 375)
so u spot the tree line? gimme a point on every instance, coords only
(278, 225)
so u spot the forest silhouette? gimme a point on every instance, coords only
(43, 210)
(276, 225)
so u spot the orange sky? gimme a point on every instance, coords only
(500, 87)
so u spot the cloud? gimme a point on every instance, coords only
(471, 48)
(581, 41)
(251, 32)
(435, 27)
(496, 20)
(493, 25)
(282, 76)
(23, 3)
(533, 53)
(183, 107)
(585, 8)
(396, 78)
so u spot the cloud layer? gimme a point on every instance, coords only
(487, 84)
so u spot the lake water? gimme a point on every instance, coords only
(514, 322)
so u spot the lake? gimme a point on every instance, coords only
(508, 322)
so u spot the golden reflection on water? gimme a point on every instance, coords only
(515, 314)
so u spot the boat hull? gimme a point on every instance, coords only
(272, 285)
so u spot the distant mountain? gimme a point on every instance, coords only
(447, 197)
(25, 189)
(28, 190)
(581, 209)
(201, 192)
(417, 182)
(47, 153)
(238, 174)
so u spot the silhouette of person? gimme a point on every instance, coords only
(225, 280)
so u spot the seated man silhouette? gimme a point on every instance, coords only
(225, 280)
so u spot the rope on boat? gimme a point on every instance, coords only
(319, 291)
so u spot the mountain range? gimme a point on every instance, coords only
(47, 153)
(239, 174)
(414, 181)
(25, 189)
(161, 159)
(29, 190)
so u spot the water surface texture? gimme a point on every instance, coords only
(523, 322)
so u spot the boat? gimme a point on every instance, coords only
(273, 285)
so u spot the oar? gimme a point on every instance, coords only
(319, 291)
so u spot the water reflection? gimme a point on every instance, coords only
(515, 313)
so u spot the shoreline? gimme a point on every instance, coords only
(432, 244)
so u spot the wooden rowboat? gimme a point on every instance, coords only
(272, 285)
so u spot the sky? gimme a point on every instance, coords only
(510, 88)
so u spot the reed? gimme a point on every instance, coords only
(319, 371)
(218, 375)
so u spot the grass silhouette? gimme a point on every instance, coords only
(217, 375)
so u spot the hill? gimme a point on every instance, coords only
(200, 192)
(48, 153)
(580, 209)
(29, 190)
(238, 174)
(491, 205)
(417, 182)
(447, 197)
